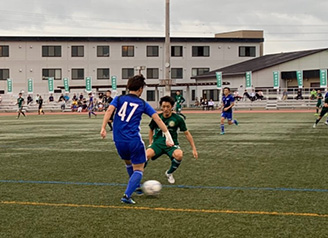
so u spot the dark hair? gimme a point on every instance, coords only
(167, 99)
(90, 94)
(109, 91)
(136, 82)
(20, 94)
(226, 88)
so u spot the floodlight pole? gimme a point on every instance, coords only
(167, 49)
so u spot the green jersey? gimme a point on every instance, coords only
(20, 102)
(179, 99)
(319, 97)
(173, 123)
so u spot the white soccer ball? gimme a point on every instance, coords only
(151, 187)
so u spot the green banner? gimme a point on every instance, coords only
(248, 77)
(88, 84)
(114, 83)
(219, 80)
(276, 80)
(323, 78)
(30, 85)
(51, 85)
(9, 86)
(299, 76)
(66, 85)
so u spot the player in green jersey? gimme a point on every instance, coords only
(324, 110)
(179, 100)
(319, 102)
(157, 145)
(20, 102)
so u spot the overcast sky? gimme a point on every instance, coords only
(288, 25)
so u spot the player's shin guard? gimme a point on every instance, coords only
(129, 169)
(134, 181)
(174, 165)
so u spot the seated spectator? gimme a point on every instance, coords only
(74, 97)
(81, 96)
(313, 94)
(236, 96)
(29, 100)
(205, 104)
(61, 98)
(84, 105)
(79, 103)
(210, 105)
(37, 99)
(253, 96)
(197, 102)
(246, 95)
(51, 98)
(66, 98)
(74, 105)
(299, 94)
(260, 95)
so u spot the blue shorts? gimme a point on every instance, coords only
(227, 115)
(132, 150)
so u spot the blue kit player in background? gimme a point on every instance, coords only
(126, 132)
(91, 106)
(228, 101)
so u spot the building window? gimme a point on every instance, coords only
(213, 94)
(4, 74)
(51, 73)
(193, 95)
(103, 73)
(77, 51)
(77, 73)
(177, 73)
(199, 71)
(152, 73)
(247, 51)
(51, 51)
(152, 51)
(127, 73)
(103, 51)
(4, 50)
(127, 51)
(200, 51)
(151, 95)
(176, 51)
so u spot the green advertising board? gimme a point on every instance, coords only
(66, 85)
(276, 80)
(114, 83)
(219, 80)
(88, 84)
(248, 77)
(30, 85)
(9, 86)
(299, 76)
(51, 85)
(323, 78)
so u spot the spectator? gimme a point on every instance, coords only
(0, 99)
(246, 95)
(66, 98)
(74, 106)
(210, 105)
(313, 94)
(236, 95)
(37, 99)
(81, 96)
(253, 95)
(84, 105)
(285, 95)
(107, 99)
(51, 98)
(61, 98)
(197, 103)
(260, 95)
(299, 94)
(29, 100)
(79, 103)
(74, 98)
(205, 104)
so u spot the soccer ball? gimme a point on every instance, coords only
(151, 187)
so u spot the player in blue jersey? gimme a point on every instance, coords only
(228, 101)
(126, 132)
(91, 106)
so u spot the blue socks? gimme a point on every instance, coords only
(134, 182)
(222, 127)
(129, 169)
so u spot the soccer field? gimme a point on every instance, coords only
(266, 177)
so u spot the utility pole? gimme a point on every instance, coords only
(167, 60)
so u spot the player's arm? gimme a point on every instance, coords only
(150, 136)
(182, 100)
(107, 116)
(192, 144)
(162, 126)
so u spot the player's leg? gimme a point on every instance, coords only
(176, 155)
(18, 113)
(222, 124)
(323, 112)
(179, 112)
(21, 111)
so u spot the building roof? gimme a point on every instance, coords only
(126, 39)
(259, 63)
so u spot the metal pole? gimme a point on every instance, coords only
(167, 49)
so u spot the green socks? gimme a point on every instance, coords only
(174, 165)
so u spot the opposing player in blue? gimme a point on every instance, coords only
(126, 132)
(91, 106)
(228, 101)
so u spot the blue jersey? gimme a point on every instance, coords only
(227, 101)
(129, 110)
(91, 102)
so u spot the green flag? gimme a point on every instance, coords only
(114, 83)
(323, 78)
(299, 76)
(51, 85)
(66, 85)
(276, 79)
(248, 77)
(88, 84)
(219, 80)
(30, 86)
(9, 86)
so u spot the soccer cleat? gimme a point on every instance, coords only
(170, 177)
(314, 125)
(127, 200)
(139, 191)
(236, 123)
(326, 123)
(222, 133)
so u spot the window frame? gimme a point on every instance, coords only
(128, 47)
(78, 51)
(2, 74)
(102, 78)
(245, 53)
(128, 69)
(2, 47)
(152, 73)
(198, 69)
(104, 55)
(46, 77)
(54, 50)
(152, 47)
(198, 47)
(177, 76)
(172, 51)
(73, 78)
